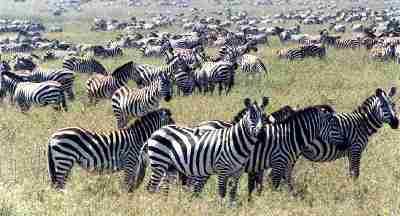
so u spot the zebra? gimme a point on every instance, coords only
(28, 93)
(314, 50)
(252, 64)
(291, 53)
(275, 117)
(84, 65)
(63, 76)
(25, 62)
(137, 102)
(383, 53)
(338, 43)
(107, 52)
(199, 155)
(157, 50)
(357, 127)
(104, 86)
(116, 151)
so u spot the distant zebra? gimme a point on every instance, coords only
(84, 65)
(114, 151)
(291, 53)
(16, 48)
(357, 127)
(137, 102)
(314, 50)
(145, 74)
(27, 93)
(104, 86)
(338, 43)
(63, 76)
(156, 50)
(382, 53)
(252, 64)
(107, 52)
(199, 155)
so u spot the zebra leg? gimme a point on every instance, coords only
(288, 177)
(251, 183)
(198, 183)
(276, 175)
(354, 159)
(259, 182)
(63, 103)
(234, 189)
(222, 181)
(70, 94)
(157, 173)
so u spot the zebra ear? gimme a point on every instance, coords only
(264, 102)
(247, 102)
(392, 91)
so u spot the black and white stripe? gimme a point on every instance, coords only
(137, 102)
(104, 86)
(114, 151)
(84, 65)
(107, 52)
(357, 127)
(201, 153)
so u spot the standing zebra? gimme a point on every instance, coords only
(104, 86)
(84, 65)
(107, 52)
(314, 50)
(357, 127)
(27, 93)
(115, 151)
(252, 64)
(383, 53)
(291, 53)
(199, 154)
(137, 102)
(338, 43)
(63, 76)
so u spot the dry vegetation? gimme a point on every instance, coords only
(344, 80)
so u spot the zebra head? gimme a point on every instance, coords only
(166, 117)
(255, 115)
(165, 87)
(178, 63)
(386, 111)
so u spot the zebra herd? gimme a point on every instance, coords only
(252, 143)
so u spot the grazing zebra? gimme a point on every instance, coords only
(338, 43)
(235, 51)
(199, 154)
(252, 64)
(383, 53)
(27, 93)
(314, 50)
(146, 74)
(115, 151)
(63, 76)
(137, 102)
(104, 86)
(84, 65)
(291, 53)
(107, 52)
(157, 50)
(357, 127)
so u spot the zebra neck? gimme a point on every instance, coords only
(370, 122)
(243, 126)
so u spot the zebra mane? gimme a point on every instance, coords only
(149, 117)
(366, 103)
(122, 69)
(310, 109)
(12, 76)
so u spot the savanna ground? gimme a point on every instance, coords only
(343, 80)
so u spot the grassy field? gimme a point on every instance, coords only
(343, 80)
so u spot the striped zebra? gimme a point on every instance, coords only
(114, 151)
(157, 50)
(137, 102)
(63, 76)
(276, 117)
(382, 53)
(84, 65)
(25, 62)
(314, 50)
(338, 43)
(146, 74)
(104, 86)
(184, 81)
(222, 152)
(357, 127)
(16, 48)
(107, 52)
(291, 53)
(252, 64)
(28, 93)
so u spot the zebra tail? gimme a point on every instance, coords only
(51, 165)
(63, 102)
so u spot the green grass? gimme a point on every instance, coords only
(344, 80)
